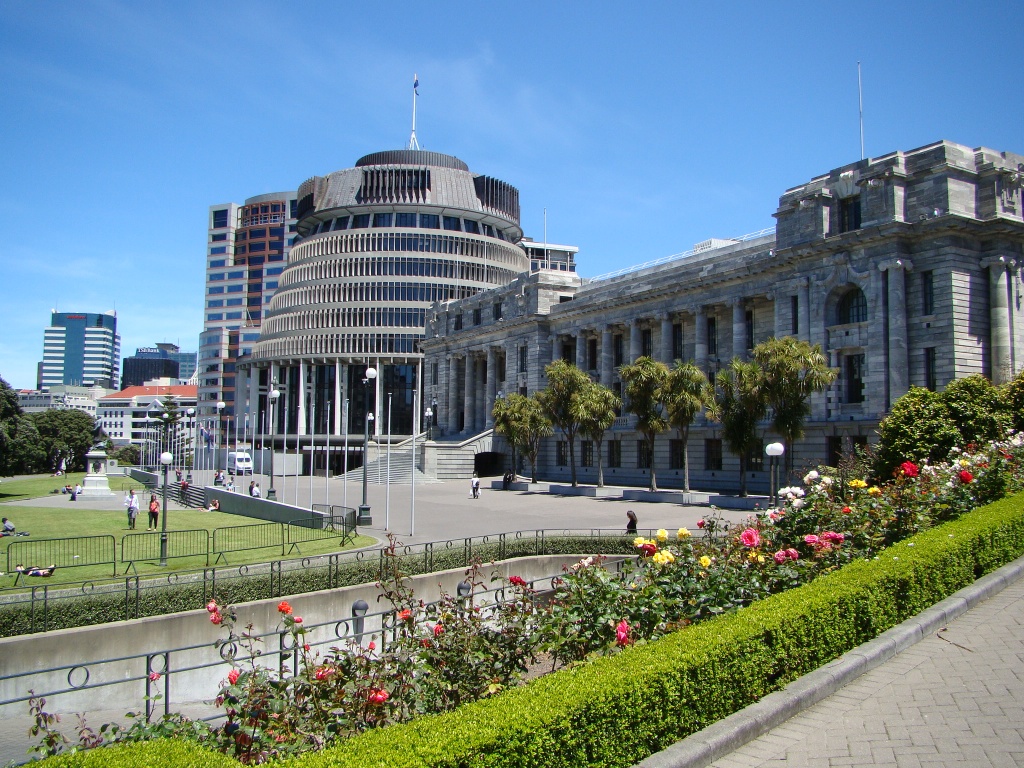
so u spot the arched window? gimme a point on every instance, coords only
(853, 307)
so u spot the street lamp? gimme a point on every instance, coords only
(774, 451)
(368, 378)
(430, 423)
(165, 459)
(191, 412)
(274, 394)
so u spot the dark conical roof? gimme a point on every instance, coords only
(412, 157)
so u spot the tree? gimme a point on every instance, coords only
(980, 411)
(919, 427)
(598, 405)
(522, 422)
(686, 394)
(127, 455)
(561, 402)
(66, 435)
(1014, 393)
(739, 404)
(793, 370)
(645, 380)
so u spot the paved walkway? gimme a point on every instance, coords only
(955, 698)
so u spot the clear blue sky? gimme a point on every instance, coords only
(643, 128)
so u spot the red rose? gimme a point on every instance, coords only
(965, 476)
(438, 630)
(648, 549)
(372, 646)
(701, 523)
(284, 608)
(378, 696)
(909, 469)
(405, 614)
(517, 581)
(846, 510)
(216, 618)
(233, 676)
(622, 634)
(212, 606)
(298, 619)
(425, 642)
(154, 676)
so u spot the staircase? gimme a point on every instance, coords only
(401, 467)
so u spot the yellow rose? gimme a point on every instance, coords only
(705, 561)
(858, 483)
(639, 541)
(662, 534)
(874, 490)
(682, 533)
(760, 558)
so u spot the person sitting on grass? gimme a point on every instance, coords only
(214, 506)
(35, 570)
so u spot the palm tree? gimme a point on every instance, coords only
(523, 423)
(740, 403)
(793, 370)
(560, 401)
(598, 405)
(645, 380)
(687, 393)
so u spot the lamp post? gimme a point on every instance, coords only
(368, 378)
(274, 394)
(165, 459)
(774, 451)
(191, 412)
(430, 423)
(220, 407)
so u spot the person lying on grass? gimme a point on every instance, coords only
(35, 570)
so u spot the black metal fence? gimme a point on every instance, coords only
(62, 553)
(146, 546)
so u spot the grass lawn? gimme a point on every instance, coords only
(42, 485)
(69, 522)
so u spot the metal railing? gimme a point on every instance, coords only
(62, 553)
(146, 546)
(57, 606)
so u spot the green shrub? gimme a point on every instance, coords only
(1014, 393)
(164, 753)
(918, 428)
(979, 410)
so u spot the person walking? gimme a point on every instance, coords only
(630, 523)
(154, 513)
(474, 486)
(132, 503)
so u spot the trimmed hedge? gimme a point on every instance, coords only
(619, 709)
(85, 610)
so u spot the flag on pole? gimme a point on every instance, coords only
(416, 84)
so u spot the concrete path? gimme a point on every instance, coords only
(953, 697)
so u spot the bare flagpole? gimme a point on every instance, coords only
(413, 144)
(860, 99)
(344, 466)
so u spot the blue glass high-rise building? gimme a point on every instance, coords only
(81, 348)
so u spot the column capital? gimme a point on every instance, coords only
(890, 265)
(1000, 261)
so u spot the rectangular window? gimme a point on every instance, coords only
(676, 454)
(713, 336)
(382, 219)
(216, 289)
(643, 454)
(430, 221)
(472, 227)
(361, 221)
(339, 223)
(277, 231)
(256, 233)
(452, 223)
(562, 453)
(523, 359)
(235, 275)
(713, 454)
(755, 458)
(257, 247)
(236, 288)
(433, 374)
(591, 354)
(219, 238)
(220, 220)
(586, 453)
(215, 316)
(215, 303)
(748, 319)
(241, 235)
(614, 453)
(234, 302)
(929, 368)
(496, 310)
(677, 341)
(477, 316)
(647, 342)
(849, 214)
(617, 349)
(234, 316)
(217, 263)
(853, 368)
(927, 294)
(218, 249)
(794, 310)
(405, 219)
(833, 450)
(240, 250)
(458, 322)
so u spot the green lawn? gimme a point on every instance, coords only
(42, 485)
(69, 521)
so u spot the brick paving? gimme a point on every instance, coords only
(954, 699)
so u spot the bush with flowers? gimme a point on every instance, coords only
(435, 658)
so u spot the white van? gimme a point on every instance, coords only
(239, 463)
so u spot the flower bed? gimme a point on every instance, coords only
(681, 674)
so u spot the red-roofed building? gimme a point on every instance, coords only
(131, 416)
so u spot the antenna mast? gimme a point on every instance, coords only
(413, 144)
(860, 98)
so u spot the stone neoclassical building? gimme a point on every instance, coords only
(904, 268)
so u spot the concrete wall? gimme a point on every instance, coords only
(78, 654)
(260, 509)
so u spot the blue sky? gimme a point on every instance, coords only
(643, 128)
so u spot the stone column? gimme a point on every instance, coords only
(666, 339)
(700, 350)
(556, 352)
(804, 308)
(999, 317)
(739, 329)
(606, 356)
(450, 421)
(492, 387)
(896, 320)
(301, 427)
(469, 407)
(581, 349)
(634, 340)
(778, 299)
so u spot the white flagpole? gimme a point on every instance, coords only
(387, 491)
(860, 98)
(344, 459)
(284, 453)
(412, 475)
(413, 143)
(312, 447)
(327, 454)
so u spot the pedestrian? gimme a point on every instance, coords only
(474, 486)
(630, 523)
(131, 501)
(251, 486)
(184, 492)
(256, 493)
(154, 513)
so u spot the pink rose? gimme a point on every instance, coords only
(378, 696)
(372, 646)
(233, 676)
(811, 540)
(701, 523)
(622, 634)
(154, 676)
(216, 618)
(298, 619)
(780, 557)
(750, 537)
(792, 554)
(212, 606)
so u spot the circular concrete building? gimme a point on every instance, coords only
(378, 243)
